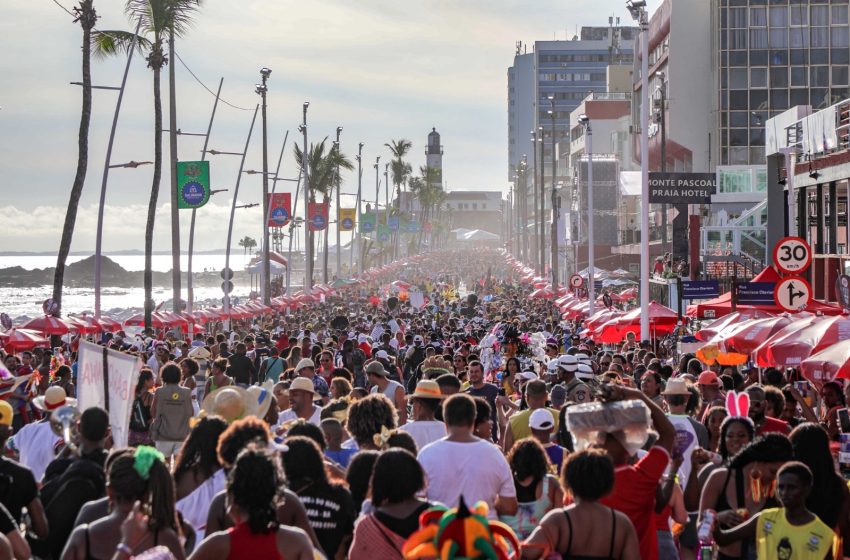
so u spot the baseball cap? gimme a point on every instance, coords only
(376, 368)
(552, 366)
(541, 419)
(382, 354)
(708, 377)
(418, 339)
(305, 363)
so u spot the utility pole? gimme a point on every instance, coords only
(266, 290)
(523, 215)
(175, 212)
(387, 205)
(591, 270)
(662, 122)
(377, 193)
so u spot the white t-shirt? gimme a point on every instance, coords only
(477, 468)
(36, 443)
(289, 415)
(425, 431)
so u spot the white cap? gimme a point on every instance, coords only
(552, 366)
(362, 338)
(382, 354)
(527, 375)
(583, 358)
(418, 338)
(568, 362)
(584, 371)
(541, 419)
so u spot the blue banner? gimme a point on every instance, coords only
(392, 222)
(756, 293)
(700, 289)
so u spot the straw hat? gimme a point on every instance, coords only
(305, 363)
(231, 403)
(676, 387)
(302, 384)
(426, 389)
(52, 399)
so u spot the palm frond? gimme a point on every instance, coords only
(160, 16)
(111, 43)
(399, 148)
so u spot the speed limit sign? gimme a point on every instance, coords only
(792, 255)
(792, 293)
(576, 281)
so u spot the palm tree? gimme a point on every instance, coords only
(247, 243)
(87, 17)
(430, 195)
(159, 19)
(400, 169)
(322, 168)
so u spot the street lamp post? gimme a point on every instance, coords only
(554, 241)
(535, 190)
(387, 205)
(541, 201)
(226, 298)
(308, 244)
(266, 290)
(338, 240)
(637, 9)
(591, 271)
(357, 234)
(377, 192)
(524, 208)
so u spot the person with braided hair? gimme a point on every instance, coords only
(253, 492)
(136, 477)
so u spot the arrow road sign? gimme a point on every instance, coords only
(792, 293)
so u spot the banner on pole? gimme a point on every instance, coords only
(346, 218)
(383, 233)
(367, 222)
(280, 209)
(116, 393)
(412, 226)
(193, 183)
(392, 223)
(317, 213)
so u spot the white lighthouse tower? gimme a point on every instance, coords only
(434, 158)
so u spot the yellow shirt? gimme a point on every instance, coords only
(779, 540)
(519, 423)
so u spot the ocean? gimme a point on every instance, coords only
(160, 263)
(17, 302)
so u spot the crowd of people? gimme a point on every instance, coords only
(344, 428)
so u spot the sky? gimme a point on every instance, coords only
(382, 70)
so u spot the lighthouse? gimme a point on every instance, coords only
(434, 158)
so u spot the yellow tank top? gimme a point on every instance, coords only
(779, 540)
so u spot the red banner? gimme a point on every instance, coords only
(317, 214)
(280, 209)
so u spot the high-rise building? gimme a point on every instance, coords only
(771, 56)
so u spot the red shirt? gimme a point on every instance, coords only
(367, 349)
(773, 425)
(634, 495)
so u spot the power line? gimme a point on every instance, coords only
(70, 13)
(197, 79)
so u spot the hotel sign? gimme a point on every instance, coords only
(681, 188)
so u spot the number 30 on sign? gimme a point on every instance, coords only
(792, 255)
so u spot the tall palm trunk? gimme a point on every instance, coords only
(155, 61)
(327, 202)
(87, 18)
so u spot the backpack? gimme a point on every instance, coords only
(139, 417)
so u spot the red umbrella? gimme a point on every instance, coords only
(792, 349)
(760, 354)
(719, 325)
(18, 340)
(82, 326)
(631, 293)
(138, 320)
(829, 364)
(662, 320)
(542, 293)
(749, 335)
(173, 319)
(47, 325)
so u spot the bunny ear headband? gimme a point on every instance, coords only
(737, 404)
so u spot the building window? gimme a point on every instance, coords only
(779, 77)
(758, 77)
(738, 78)
(778, 37)
(820, 37)
(840, 36)
(779, 16)
(820, 15)
(839, 15)
(799, 76)
(758, 17)
(799, 15)
(819, 76)
(738, 39)
(475, 206)
(737, 18)
(758, 38)
(839, 75)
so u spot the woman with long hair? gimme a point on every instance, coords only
(140, 417)
(396, 480)
(253, 491)
(329, 506)
(197, 474)
(293, 357)
(746, 486)
(830, 497)
(712, 420)
(537, 491)
(585, 529)
(136, 475)
(511, 370)
(359, 475)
